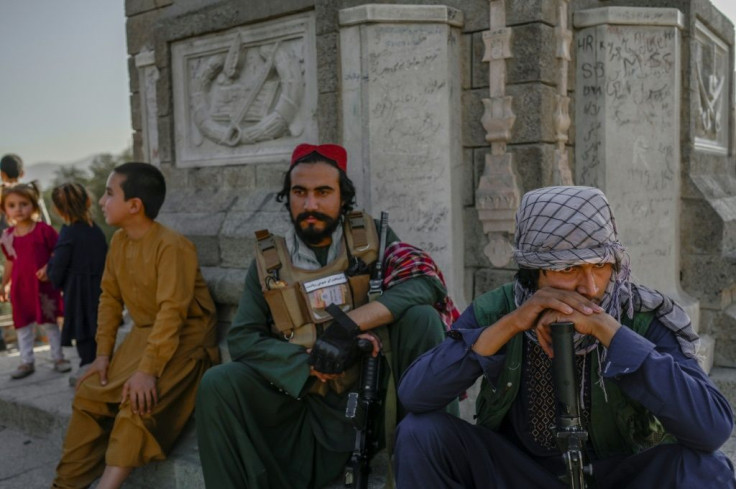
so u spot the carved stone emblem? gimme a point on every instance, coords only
(710, 64)
(246, 95)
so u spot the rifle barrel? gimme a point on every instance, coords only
(563, 370)
(376, 280)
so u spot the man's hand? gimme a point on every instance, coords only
(375, 341)
(601, 325)
(337, 348)
(562, 301)
(99, 367)
(140, 390)
(322, 377)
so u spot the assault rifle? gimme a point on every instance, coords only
(363, 407)
(571, 436)
(377, 279)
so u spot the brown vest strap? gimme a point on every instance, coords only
(268, 248)
(357, 227)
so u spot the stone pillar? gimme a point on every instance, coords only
(561, 174)
(401, 123)
(148, 75)
(498, 194)
(628, 133)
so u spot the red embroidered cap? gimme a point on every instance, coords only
(334, 152)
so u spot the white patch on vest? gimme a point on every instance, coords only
(323, 282)
(321, 298)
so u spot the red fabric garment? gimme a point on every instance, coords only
(403, 261)
(33, 301)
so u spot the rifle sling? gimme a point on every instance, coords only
(357, 226)
(267, 246)
(341, 318)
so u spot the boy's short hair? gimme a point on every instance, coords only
(11, 165)
(143, 181)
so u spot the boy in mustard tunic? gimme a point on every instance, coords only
(132, 403)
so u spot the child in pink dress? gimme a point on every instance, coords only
(27, 246)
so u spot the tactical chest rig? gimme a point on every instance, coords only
(297, 298)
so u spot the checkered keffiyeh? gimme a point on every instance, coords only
(562, 226)
(403, 261)
(559, 227)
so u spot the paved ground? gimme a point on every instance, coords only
(34, 412)
(30, 436)
(33, 415)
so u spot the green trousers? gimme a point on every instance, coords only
(253, 436)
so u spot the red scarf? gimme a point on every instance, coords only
(403, 261)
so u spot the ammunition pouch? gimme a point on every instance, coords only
(359, 285)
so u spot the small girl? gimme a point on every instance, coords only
(27, 246)
(76, 267)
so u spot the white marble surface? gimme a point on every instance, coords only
(628, 133)
(401, 85)
(148, 75)
(245, 95)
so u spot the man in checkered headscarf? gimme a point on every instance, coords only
(561, 227)
(653, 417)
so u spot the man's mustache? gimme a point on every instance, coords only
(317, 215)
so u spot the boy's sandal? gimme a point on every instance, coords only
(23, 370)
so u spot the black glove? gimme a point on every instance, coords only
(337, 348)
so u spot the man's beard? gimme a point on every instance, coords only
(310, 235)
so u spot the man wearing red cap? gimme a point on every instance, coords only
(274, 417)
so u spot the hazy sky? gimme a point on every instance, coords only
(64, 86)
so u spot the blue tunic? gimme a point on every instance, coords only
(436, 451)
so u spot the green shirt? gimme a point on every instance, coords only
(285, 364)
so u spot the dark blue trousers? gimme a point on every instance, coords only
(437, 450)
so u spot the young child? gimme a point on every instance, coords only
(131, 404)
(11, 169)
(76, 268)
(27, 246)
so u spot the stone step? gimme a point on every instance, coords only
(39, 406)
(38, 409)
